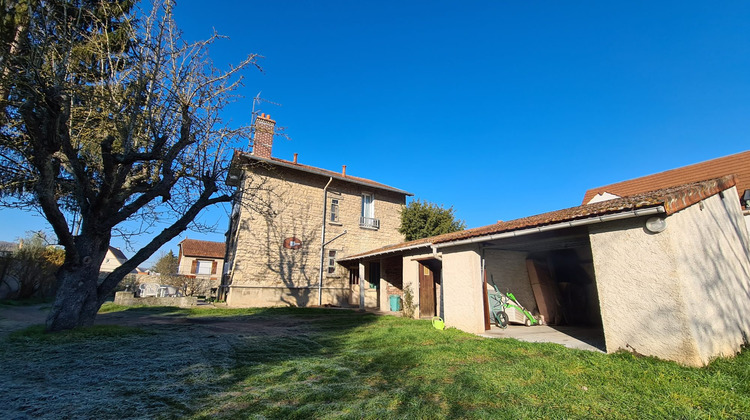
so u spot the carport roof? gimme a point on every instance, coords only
(667, 201)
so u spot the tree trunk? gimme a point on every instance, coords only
(77, 299)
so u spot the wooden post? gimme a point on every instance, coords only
(361, 286)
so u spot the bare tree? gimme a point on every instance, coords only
(109, 116)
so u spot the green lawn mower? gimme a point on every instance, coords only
(506, 309)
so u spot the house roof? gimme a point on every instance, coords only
(737, 164)
(198, 248)
(309, 169)
(118, 254)
(667, 201)
(7, 247)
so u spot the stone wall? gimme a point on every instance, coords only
(129, 299)
(279, 203)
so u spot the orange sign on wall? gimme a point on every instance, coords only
(292, 243)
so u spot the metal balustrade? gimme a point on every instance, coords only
(369, 222)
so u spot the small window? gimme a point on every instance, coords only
(334, 210)
(331, 261)
(353, 276)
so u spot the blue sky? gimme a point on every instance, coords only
(501, 109)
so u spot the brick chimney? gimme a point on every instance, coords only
(263, 139)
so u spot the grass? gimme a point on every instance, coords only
(36, 334)
(308, 363)
(26, 302)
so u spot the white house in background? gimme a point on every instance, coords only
(112, 260)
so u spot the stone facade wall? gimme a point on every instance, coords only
(129, 299)
(279, 203)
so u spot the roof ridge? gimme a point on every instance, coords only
(324, 172)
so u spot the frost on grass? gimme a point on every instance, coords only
(170, 373)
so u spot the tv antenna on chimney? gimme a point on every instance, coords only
(256, 109)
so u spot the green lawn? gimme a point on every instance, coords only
(306, 363)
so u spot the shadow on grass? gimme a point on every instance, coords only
(312, 363)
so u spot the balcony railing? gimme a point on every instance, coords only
(369, 222)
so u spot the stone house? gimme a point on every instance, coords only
(290, 224)
(202, 261)
(664, 273)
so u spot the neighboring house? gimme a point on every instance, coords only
(737, 164)
(7, 248)
(113, 259)
(663, 273)
(202, 260)
(291, 222)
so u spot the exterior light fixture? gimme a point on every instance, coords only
(656, 224)
(746, 199)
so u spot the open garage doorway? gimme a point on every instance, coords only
(552, 276)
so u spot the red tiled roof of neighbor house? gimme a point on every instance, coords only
(343, 176)
(670, 200)
(737, 164)
(197, 248)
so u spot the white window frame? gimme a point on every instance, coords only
(200, 264)
(370, 207)
(331, 256)
(335, 210)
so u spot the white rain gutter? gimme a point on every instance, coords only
(389, 251)
(323, 241)
(557, 226)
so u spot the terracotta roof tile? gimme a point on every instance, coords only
(671, 199)
(197, 248)
(737, 164)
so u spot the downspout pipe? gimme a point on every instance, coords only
(323, 241)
